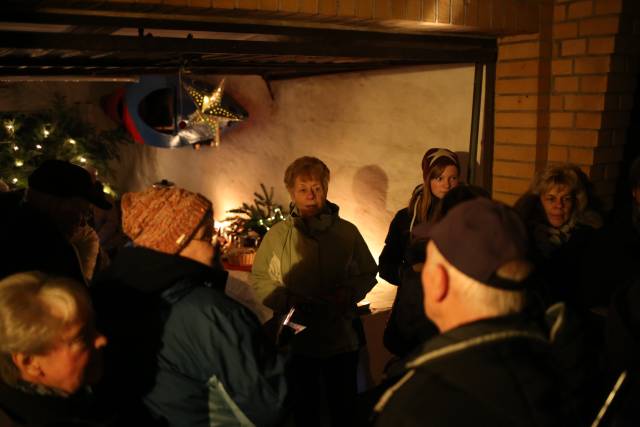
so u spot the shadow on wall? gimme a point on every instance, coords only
(370, 187)
(138, 167)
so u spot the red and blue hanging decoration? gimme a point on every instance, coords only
(171, 112)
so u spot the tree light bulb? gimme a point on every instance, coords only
(14, 180)
(19, 163)
(39, 147)
(71, 141)
(82, 160)
(15, 148)
(45, 133)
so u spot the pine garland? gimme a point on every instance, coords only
(28, 139)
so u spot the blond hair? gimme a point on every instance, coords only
(35, 309)
(307, 166)
(566, 175)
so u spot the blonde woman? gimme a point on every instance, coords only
(557, 213)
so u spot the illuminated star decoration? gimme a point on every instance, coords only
(209, 109)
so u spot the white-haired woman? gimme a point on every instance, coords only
(49, 351)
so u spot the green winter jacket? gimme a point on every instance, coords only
(304, 265)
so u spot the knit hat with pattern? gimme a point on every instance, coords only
(163, 219)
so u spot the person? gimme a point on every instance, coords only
(50, 352)
(490, 365)
(179, 345)
(621, 356)
(561, 223)
(107, 225)
(407, 327)
(318, 264)
(46, 223)
(440, 173)
(617, 246)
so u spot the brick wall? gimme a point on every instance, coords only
(565, 93)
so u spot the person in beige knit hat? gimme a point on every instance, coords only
(170, 220)
(200, 357)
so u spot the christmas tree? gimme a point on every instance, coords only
(28, 139)
(254, 219)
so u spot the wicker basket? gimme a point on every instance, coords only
(241, 256)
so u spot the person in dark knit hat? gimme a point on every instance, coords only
(440, 173)
(489, 365)
(193, 355)
(46, 224)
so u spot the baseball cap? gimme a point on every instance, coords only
(478, 237)
(63, 179)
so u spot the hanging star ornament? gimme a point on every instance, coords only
(210, 110)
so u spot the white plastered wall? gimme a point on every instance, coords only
(370, 128)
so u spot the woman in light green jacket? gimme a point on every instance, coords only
(319, 264)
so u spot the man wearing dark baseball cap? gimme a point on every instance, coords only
(490, 365)
(46, 230)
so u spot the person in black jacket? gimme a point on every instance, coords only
(407, 326)
(440, 172)
(490, 365)
(44, 228)
(192, 355)
(561, 222)
(611, 260)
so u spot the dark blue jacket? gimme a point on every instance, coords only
(195, 356)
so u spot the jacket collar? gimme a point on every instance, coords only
(475, 334)
(318, 224)
(150, 271)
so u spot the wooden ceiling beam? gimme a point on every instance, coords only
(219, 22)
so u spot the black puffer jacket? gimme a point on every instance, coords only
(557, 253)
(408, 327)
(393, 256)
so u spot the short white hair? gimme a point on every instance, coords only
(489, 300)
(35, 309)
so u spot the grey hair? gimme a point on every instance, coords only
(35, 309)
(491, 301)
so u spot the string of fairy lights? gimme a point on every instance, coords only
(28, 139)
